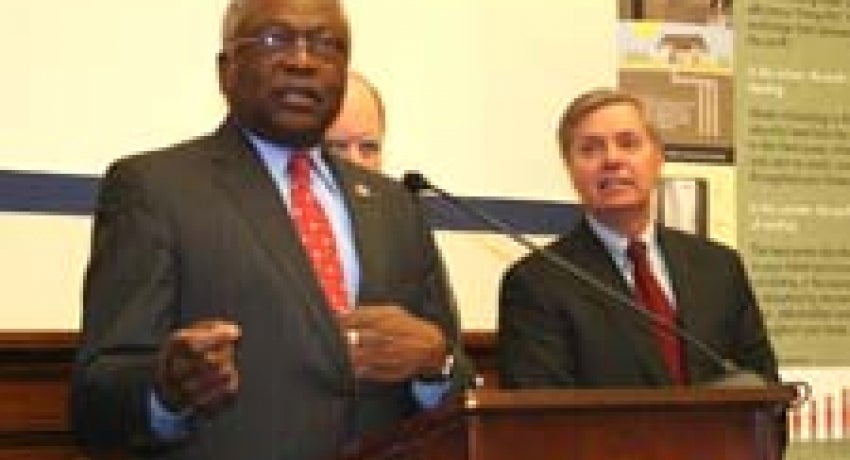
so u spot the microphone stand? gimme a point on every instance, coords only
(732, 374)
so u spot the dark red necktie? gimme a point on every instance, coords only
(316, 232)
(650, 295)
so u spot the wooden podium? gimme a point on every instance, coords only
(659, 424)
(623, 424)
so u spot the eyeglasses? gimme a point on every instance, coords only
(320, 43)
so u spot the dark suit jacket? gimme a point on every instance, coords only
(556, 331)
(198, 231)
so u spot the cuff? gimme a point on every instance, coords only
(165, 424)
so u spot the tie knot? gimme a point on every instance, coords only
(636, 250)
(299, 165)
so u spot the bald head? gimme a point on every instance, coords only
(238, 11)
(357, 134)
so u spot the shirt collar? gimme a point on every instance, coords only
(276, 157)
(616, 243)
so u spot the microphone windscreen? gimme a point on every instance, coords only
(415, 182)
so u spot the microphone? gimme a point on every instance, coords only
(733, 375)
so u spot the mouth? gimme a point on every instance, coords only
(615, 183)
(298, 99)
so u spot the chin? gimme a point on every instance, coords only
(629, 207)
(300, 133)
(619, 203)
(294, 137)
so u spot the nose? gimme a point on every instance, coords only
(352, 149)
(613, 155)
(302, 49)
(300, 55)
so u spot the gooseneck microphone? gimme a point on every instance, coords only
(733, 375)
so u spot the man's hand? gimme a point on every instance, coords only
(388, 344)
(196, 366)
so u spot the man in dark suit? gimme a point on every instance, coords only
(557, 331)
(209, 330)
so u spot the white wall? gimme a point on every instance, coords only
(473, 90)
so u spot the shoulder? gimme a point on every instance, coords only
(185, 154)
(577, 241)
(164, 175)
(695, 247)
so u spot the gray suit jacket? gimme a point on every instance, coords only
(555, 331)
(198, 231)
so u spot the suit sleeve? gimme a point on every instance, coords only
(440, 304)
(750, 343)
(534, 346)
(128, 297)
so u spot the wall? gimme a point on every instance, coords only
(473, 91)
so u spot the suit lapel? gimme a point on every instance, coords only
(681, 271)
(254, 196)
(363, 198)
(626, 323)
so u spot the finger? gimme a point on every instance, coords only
(186, 363)
(369, 315)
(374, 357)
(368, 338)
(203, 348)
(215, 391)
(224, 355)
(212, 327)
(206, 335)
(397, 323)
(387, 372)
(209, 381)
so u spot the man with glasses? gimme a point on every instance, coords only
(249, 296)
(357, 134)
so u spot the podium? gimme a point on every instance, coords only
(687, 423)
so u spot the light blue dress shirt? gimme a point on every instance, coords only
(616, 245)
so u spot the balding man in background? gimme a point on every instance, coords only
(357, 134)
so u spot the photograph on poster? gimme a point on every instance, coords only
(692, 11)
(684, 73)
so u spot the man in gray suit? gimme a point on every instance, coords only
(556, 331)
(208, 331)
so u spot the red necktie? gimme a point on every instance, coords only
(316, 232)
(652, 298)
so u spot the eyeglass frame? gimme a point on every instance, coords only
(321, 42)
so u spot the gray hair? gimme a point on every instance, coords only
(235, 13)
(232, 17)
(593, 100)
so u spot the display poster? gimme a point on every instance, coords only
(760, 89)
(793, 126)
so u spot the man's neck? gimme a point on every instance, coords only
(628, 223)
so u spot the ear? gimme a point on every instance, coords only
(662, 157)
(223, 70)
